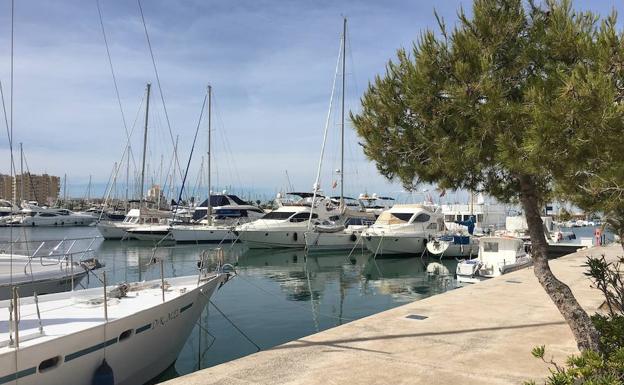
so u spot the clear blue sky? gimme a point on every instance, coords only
(271, 64)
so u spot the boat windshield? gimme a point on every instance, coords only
(388, 218)
(278, 215)
(490, 247)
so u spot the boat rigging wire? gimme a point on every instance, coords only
(327, 121)
(112, 70)
(233, 324)
(201, 114)
(162, 97)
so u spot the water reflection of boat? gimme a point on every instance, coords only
(408, 279)
(301, 277)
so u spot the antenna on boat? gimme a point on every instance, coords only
(141, 198)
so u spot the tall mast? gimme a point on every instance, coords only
(342, 126)
(149, 85)
(209, 213)
(127, 175)
(21, 173)
(89, 188)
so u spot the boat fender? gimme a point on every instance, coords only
(103, 375)
(295, 236)
(353, 238)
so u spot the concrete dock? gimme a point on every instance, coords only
(479, 334)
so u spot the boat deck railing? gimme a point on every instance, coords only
(52, 252)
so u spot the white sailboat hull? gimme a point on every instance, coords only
(202, 234)
(157, 335)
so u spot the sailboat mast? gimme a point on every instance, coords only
(149, 85)
(127, 175)
(89, 189)
(342, 126)
(21, 173)
(209, 213)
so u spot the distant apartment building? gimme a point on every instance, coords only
(41, 188)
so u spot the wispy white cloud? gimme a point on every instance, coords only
(271, 64)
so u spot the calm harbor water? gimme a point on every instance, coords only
(277, 296)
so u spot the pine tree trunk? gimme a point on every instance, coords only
(586, 335)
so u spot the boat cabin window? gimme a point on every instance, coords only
(63, 212)
(278, 215)
(433, 226)
(230, 213)
(255, 210)
(421, 218)
(302, 217)
(490, 247)
(47, 215)
(359, 222)
(405, 217)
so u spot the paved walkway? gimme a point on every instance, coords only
(480, 334)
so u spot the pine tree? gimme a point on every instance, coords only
(516, 102)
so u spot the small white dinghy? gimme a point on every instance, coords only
(123, 335)
(498, 255)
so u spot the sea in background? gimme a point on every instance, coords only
(276, 297)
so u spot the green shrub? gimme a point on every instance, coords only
(589, 368)
(611, 329)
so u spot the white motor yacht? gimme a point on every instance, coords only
(125, 334)
(229, 212)
(7, 208)
(498, 255)
(404, 229)
(134, 218)
(285, 226)
(39, 216)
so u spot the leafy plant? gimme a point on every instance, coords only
(608, 277)
(589, 368)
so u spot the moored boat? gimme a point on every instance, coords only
(129, 333)
(498, 255)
